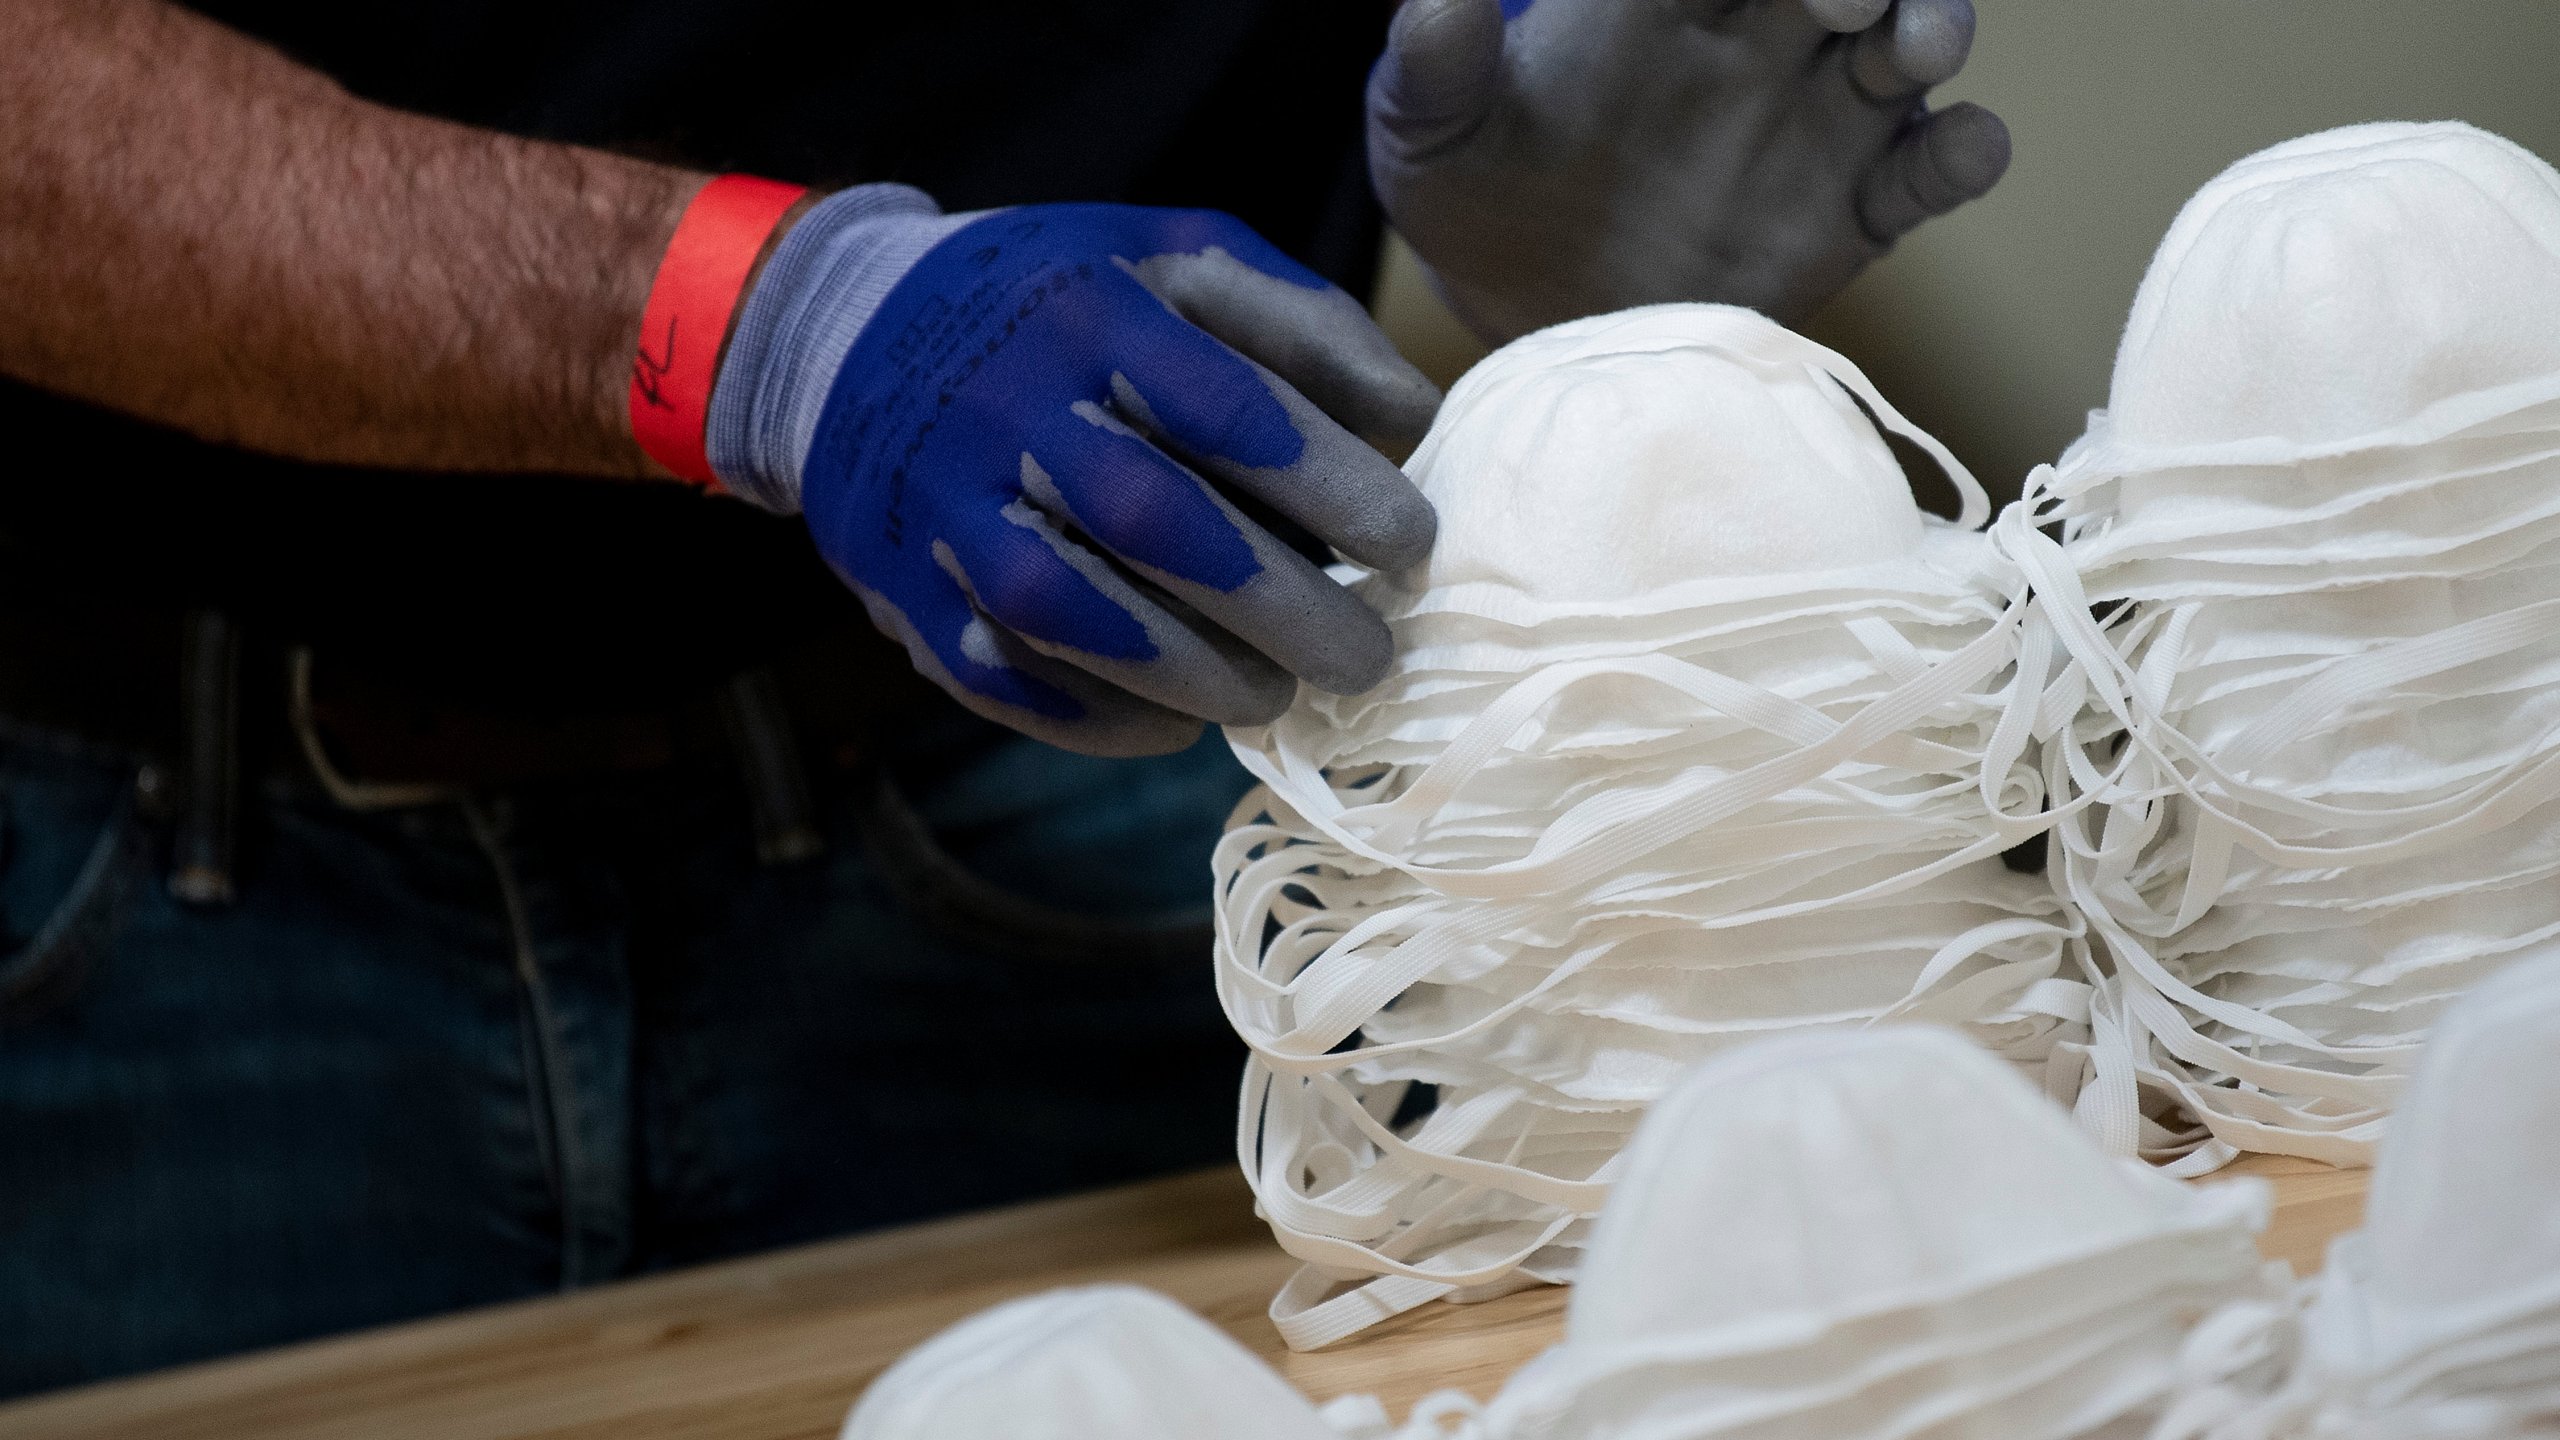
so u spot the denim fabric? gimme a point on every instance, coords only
(465, 1053)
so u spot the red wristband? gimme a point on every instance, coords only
(690, 302)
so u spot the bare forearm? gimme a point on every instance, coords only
(195, 229)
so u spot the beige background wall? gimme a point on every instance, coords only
(1996, 327)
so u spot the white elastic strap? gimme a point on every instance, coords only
(1306, 1322)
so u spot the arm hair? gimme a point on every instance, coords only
(197, 230)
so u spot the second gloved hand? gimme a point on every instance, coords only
(1570, 157)
(1022, 437)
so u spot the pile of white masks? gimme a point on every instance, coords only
(2285, 692)
(1700, 732)
(1113, 1362)
(1835, 1236)
(2319, 529)
(2440, 1319)
(1097, 1362)
(1882, 1234)
(1889, 1233)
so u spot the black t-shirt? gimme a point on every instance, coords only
(596, 590)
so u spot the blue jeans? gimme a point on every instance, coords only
(474, 1051)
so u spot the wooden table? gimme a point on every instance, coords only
(776, 1347)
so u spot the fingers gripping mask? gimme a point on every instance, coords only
(1098, 1363)
(2322, 518)
(1872, 1234)
(1697, 731)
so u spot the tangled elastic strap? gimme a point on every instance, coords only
(1473, 923)
(2291, 714)
(2309, 832)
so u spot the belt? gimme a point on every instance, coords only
(208, 706)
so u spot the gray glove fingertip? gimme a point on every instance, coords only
(1876, 71)
(1119, 726)
(1441, 70)
(1352, 654)
(1296, 615)
(1971, 149)
(1113, 725)
(1218, 644)
(1356, 375)
(1932, 39)
(1352, 498)
(1844, 16)
(1360, 672)
(1196, 671)
(1401, 402)
(1337, 486)
(1320, 341)
(1197, 677)
(1951, 157)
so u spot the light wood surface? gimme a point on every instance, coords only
(777, 1346)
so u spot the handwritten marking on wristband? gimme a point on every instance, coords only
(697, 288)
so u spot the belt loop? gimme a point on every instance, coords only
(200, 862)
(353, 794)
(768, 752)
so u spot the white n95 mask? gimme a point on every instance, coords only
(1884, 1233)
(2320, 719)
(1104, 1362)
(2334, 288)
(2449, 1298)
(2440, 1318)
(1609, 459)
(1699, 732)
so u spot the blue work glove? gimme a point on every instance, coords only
(1029, 439)
(1555, 158)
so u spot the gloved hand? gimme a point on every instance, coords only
(1588, 155)
(1021, 437)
